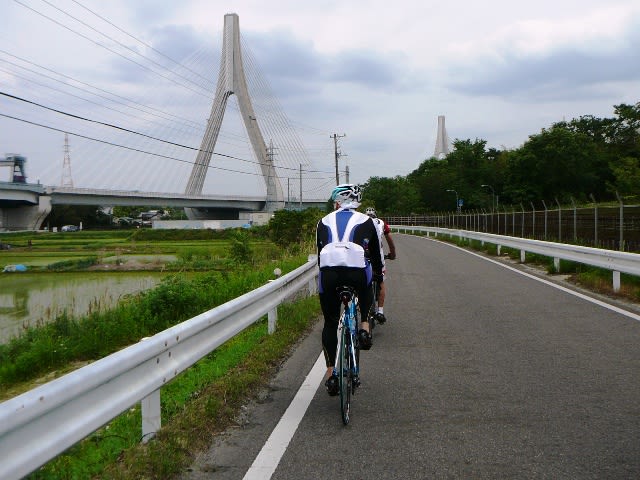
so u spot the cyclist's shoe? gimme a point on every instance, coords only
(332, 385)
(364, 339)
(380, 318)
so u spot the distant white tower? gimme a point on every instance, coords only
(442, 140)
(67, 180)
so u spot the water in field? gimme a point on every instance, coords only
(30, 298)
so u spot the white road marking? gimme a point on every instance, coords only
(269, 457)
(267, 460)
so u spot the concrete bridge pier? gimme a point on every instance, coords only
(25, 217)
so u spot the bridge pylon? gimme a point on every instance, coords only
(232, 80)
(442, 140)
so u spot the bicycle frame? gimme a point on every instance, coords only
(347, 354)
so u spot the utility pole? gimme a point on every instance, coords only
(335, 137)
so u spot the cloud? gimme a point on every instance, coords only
(362, 68)
(379, 72)
(549, 71)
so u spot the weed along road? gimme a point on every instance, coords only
(483, 370)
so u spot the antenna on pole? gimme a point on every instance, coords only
(67, 180)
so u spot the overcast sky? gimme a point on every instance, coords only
(379, 72)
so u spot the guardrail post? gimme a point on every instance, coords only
(616, 281)
(272, 320)
(556, 264)
(498, 248)
(523, 256)
(313, 283)
(150, 407)
(150, 412)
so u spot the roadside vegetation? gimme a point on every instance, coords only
(577, 160)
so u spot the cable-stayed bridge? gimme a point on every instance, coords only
(195, 139)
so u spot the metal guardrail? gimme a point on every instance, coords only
(613, 260)
(40, 424)
(614, 227)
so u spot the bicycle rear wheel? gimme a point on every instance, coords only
(344, 375)
(371, 316)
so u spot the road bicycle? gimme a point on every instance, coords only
(346, 367)
(375, 287)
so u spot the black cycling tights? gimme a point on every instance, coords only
(330, 278)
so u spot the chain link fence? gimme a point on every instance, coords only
(612, 227)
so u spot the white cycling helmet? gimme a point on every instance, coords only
(347, 195)
(371, 212)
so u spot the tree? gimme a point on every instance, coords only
(392, 195)
(626, 173)
(557, 162)
(288, 227)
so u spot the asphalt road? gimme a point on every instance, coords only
(480, 372)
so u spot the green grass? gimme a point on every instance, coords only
(87, 248)
(201, 401)
(43, 349)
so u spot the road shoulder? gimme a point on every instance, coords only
(233, 451)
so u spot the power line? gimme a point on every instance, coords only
(144, 151)
(111, 50)
(279, 124)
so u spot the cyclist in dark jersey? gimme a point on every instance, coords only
(342, 238)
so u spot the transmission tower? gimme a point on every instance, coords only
(67, 180)
(442, 140)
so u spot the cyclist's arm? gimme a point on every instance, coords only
(392, 246)
(321, 237)
(375, 255)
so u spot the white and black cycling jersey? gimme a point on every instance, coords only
(342, 238)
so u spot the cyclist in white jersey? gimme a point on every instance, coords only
(342, 238)
(383, 232)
